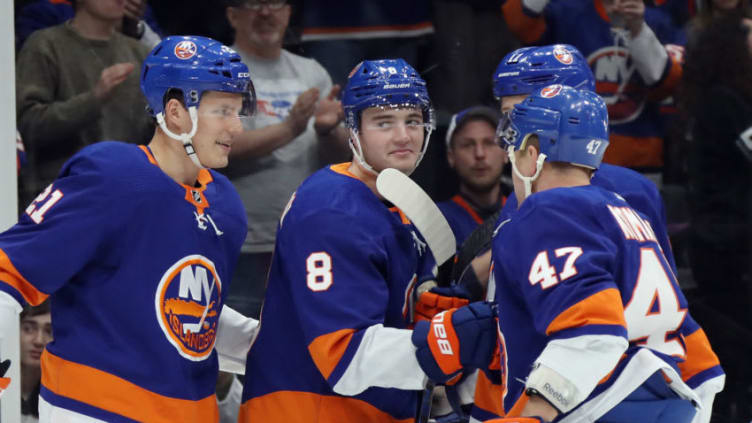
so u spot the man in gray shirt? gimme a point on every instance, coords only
(295, 131)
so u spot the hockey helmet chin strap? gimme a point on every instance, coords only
(527, 180)
(185, 138)
(357, 150)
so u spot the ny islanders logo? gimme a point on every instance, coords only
(187, 303)
(563, 55)
(185, 49)
(550, 91)
(617, 82)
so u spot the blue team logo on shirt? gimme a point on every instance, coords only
(187, 304)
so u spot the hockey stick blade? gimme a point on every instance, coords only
(400, 190)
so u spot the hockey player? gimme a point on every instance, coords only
(335, 344)
(134, 246)
(590, 314)
(518, 75)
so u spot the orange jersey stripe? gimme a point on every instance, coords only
(204, 178)
(402, 215)
(307, 407)
(488, 396)
(519, 405)
(327, 350)
(602, 308)
(528, 29)
(462, 203)
(111, 393)
(10, 275)
(365, 29)
(634, 152)
(700, 355)
(669, 84)
(343, 169)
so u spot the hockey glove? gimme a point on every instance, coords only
(432, 300)
(517, 420)
(4, 381)
(454, 340)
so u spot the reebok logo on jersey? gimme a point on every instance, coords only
(187, 304)
(555, 395)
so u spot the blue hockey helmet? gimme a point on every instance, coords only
(528, 69)
(194, 65)
(384, 83)
(390, 83)
(571, 125)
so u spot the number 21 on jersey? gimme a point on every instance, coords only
(42, 203)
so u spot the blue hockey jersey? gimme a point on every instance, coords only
(642, 195)
(333, 344)
(136, 267)
(462, 217)
(639, 191)
(573, 263)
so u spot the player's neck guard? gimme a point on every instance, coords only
(357, 150)
(185, 138)
(527, 180)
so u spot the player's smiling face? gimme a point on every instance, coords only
(392, 137)
(219, 122)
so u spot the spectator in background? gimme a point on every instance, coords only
(716, 103)
(76, 85)
(473, 153)
(710, 9)
(717, 99)
(341, 33)
(470, 38)
(138, 21)
(296, 127)
(36, 332)
(631, 50)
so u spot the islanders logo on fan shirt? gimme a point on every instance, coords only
(185, 49)
(617, 82)
(187, 304)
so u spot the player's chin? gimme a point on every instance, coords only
(216, 161)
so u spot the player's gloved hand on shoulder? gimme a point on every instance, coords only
(517, 420)
(431, 299)
(457, 339)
